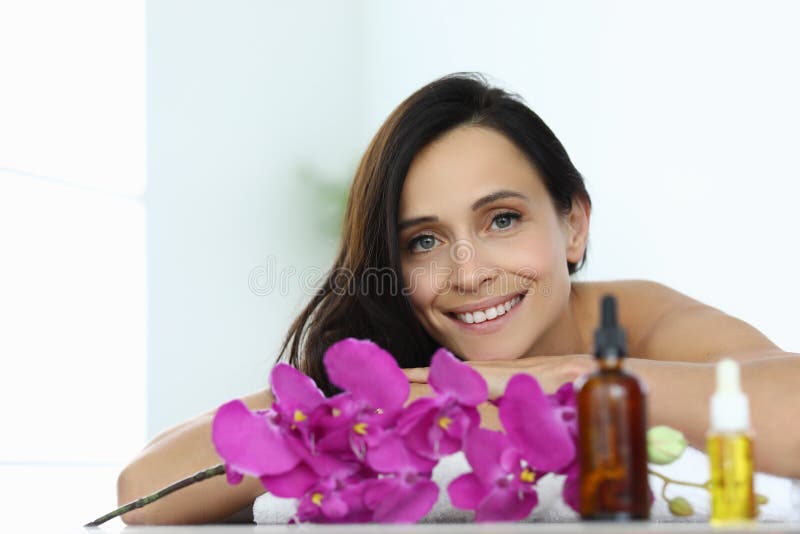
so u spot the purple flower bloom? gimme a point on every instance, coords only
(360, 456)
(538, 441)
(377, 389)
(369, 373)
(501, 486)
(565, 407)
(533, 427)
(241, 438)
(435, 426)
(400, 499)
(335, 501)
(296, 396)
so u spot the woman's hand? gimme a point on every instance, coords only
(550, 371)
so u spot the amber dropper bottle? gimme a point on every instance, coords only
(730, 449)
(612, 426)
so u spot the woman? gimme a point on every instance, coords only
(464, 222)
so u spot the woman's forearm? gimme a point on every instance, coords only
(679, 395)
(175, 454)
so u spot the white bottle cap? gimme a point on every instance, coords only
(730, 411)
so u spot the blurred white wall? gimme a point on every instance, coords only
(682, 116)
(241, 96)
(73, 288)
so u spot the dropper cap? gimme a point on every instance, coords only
(730, 410)
(609, 338)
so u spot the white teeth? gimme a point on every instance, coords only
(489, 313)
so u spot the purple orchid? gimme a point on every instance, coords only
(404, 498)
(500, 486)
(335, 501)
(405, 492)
(435, 426)
(361, 456)
(376, 391)
(565, 406)
(506, 467)
(296, 398)
(242, 436)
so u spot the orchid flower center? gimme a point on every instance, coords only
(527, 476)
(360, 428)
(316, 498)
(299, 416)
(336, 412)
(444, 422)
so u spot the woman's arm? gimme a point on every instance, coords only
(688, 339)
(676, 359)
(679, 394)
(175, 454)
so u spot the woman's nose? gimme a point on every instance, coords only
(470, 268)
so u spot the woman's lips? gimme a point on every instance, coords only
(490, 325)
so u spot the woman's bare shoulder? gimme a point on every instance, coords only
(640, 304)
(665, 324)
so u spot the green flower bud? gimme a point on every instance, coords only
(680, 506)
(664, 445)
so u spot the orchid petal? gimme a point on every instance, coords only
(467, 491)
(506, 504)
(533, 427)
(571, 492)
(335, 441)
(398, 502)
(417, 437)
(294, 483)
(450, 376)
(415, 411)
(328, 465)
(333, 506)
(294, 390)
(242, 438)
(565, 395)
(368, 372)
(234, 477)
(448, 445)
(564, 403)
(483, 449)
(392, 455)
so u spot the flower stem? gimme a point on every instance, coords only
(668, 480)
(197, 477)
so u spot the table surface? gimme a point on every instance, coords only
(468, 528)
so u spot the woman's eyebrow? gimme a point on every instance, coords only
(415, 221)
(491, 197)
(497, 195)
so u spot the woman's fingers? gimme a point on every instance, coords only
(418, 375)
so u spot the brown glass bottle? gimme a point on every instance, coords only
(612, 426)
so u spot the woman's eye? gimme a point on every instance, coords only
(422, 243)
(504, 220)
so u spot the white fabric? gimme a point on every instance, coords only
(691, 467)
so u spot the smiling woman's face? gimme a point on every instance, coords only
(484, 252)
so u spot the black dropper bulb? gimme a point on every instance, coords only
(609, 338)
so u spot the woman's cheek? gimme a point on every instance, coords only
(416, 284)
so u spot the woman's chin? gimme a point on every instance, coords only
(476, 355)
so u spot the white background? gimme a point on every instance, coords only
(149, 162)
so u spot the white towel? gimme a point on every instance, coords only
(692, 466)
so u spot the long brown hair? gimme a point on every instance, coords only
(362, 294)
